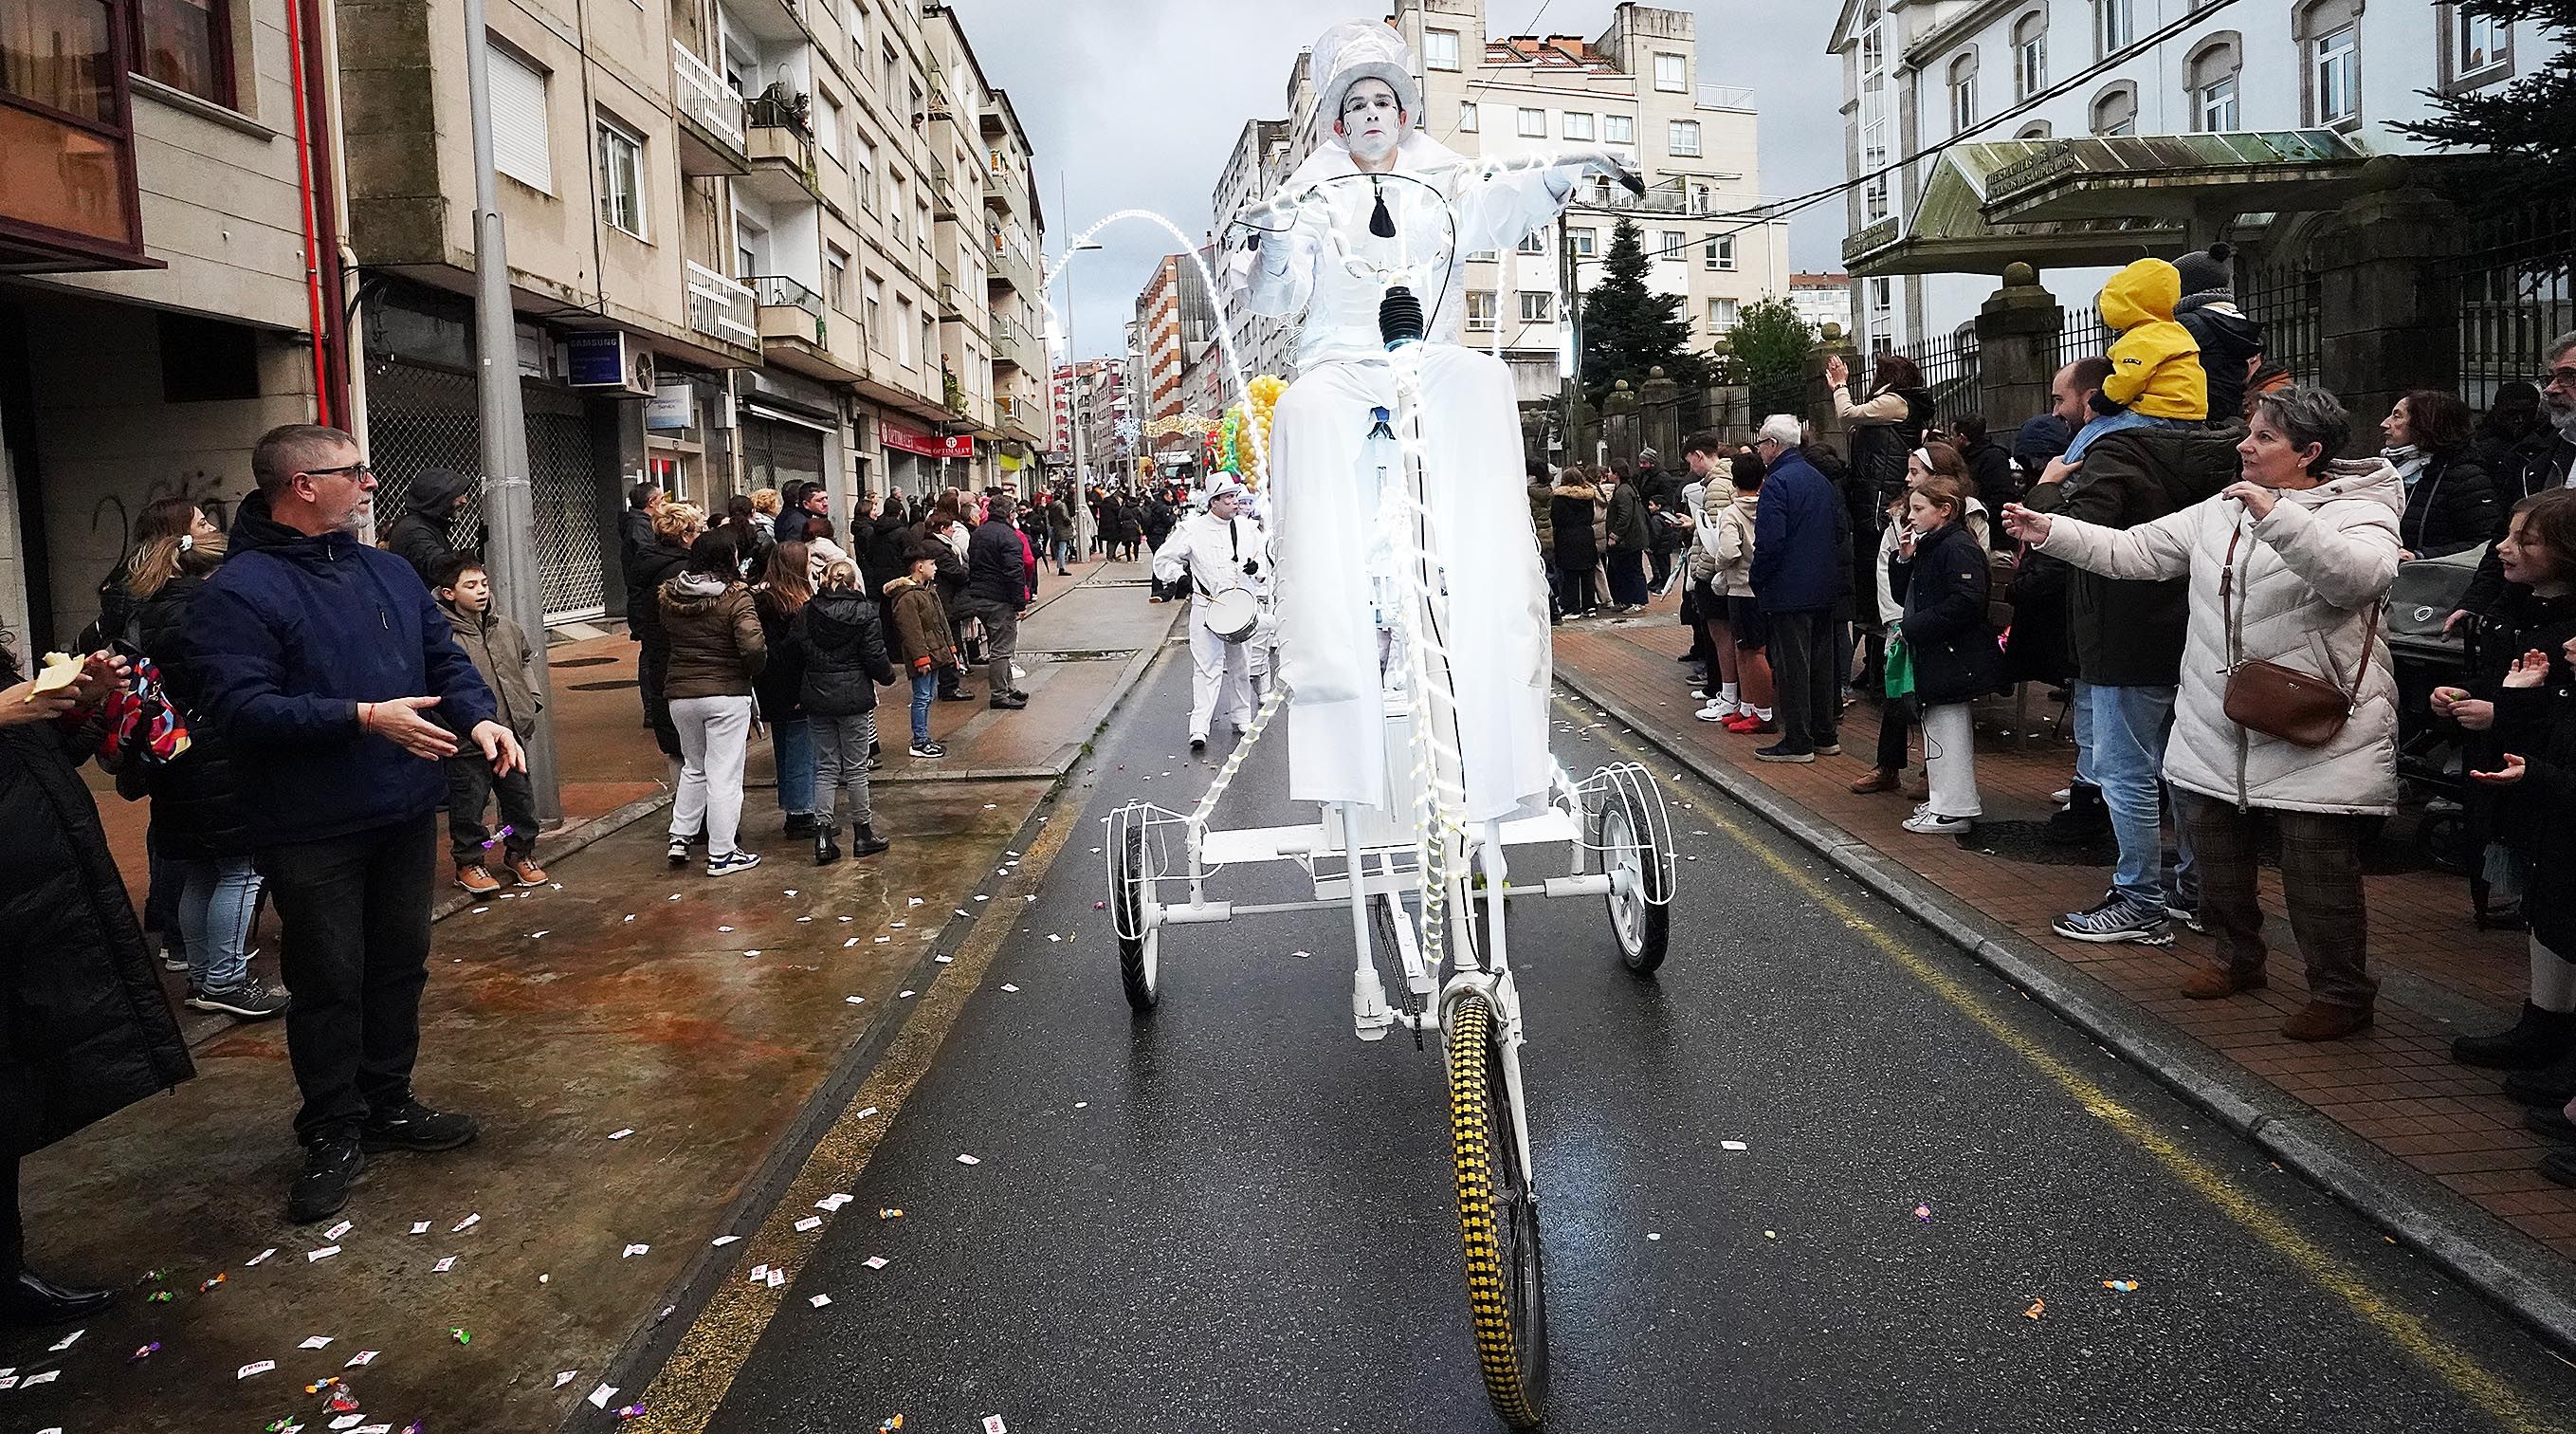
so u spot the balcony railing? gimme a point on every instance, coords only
(1726, 97)
(778, 110)
(721, 308)
(776, 291)
(703, 96)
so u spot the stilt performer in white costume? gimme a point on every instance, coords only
(1380, 188)
(1222, 557)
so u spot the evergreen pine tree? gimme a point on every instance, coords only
(1629, 330)
(1771, 342)
(2522, 125)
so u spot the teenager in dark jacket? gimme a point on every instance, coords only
(1989, 465)
(1941, 569)
(845, 662)
(2229, 341)
(785, 585)
(198, 827)
(2451, 500)
(675, 526)
(85, 1030)
(422, 536)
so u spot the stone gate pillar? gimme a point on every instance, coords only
(2017, 330)
(2387, 314)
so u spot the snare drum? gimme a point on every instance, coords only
(1231, 614)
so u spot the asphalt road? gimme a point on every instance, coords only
(1233, 1216)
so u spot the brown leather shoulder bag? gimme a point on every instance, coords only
(2280, 701)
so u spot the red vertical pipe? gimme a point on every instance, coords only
(302, 67)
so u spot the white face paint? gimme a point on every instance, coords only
(1372, 123)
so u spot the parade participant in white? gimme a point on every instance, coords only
(1444, 207)
(1215, 553)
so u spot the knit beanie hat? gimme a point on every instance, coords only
(2206, 275)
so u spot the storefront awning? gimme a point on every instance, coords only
(2101, 199)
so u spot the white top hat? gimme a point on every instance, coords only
(1357, 50)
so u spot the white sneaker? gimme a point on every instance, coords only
(1718, 710)
(1934, 824)
(2062, 796)
(731, 862)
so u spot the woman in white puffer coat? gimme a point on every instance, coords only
(2300, 554)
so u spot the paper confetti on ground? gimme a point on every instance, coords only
(810, 1222)
(942, 960)
(336, 1231)
(633, 1250)
(819, 1301)
(968, 1160)
(67, 1341)
(759, 1275)
(1732, 1145)
(993, 1425)
(468, 1223)
(900, 995)
(262, 1255)
(599, 1397)
(262, 1367)
(319, 1341)
(326, 1252)
(876, 1262)
(1007, 986)
(620, 1134)
(364, 1356)
(777, 1278)
(721, 1241)
(420, 1227)
(833, 1201)
(2037, 1308)
(2125, 1287)
(567, 1377)
(1923, 1213)
(862, 1115)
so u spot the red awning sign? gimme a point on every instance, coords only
(959, 446)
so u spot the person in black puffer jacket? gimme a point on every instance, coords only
(197, 819)
(785, 587)
(420, 536)
(2451, 500)
(85, 1030)
(675, 526)
(1885, 429)
(2229, 341)
(845, 662)
(1942, 573)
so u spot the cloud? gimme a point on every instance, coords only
(1136, 104)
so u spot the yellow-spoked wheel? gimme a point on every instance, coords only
(1498, 1216)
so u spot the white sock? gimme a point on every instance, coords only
(1761, 714)
(1726, 693)
(2553, 979)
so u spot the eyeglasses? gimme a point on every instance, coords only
(2559, 378)
(354, 470)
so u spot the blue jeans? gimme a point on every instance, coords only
(216, 905)
(2114, 423)
(925, 688)
(791, 742)
(2129, 729)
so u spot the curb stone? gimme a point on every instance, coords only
(2508, 1268)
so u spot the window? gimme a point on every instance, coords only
(621, 177)
(1577, 125)
(1718, 252)
(1672, 74)
(1440, 49)
(903, 331)
(1467, 117)
(1963, 92)
(876, 313)
(1618, 129)
(1480, 308)
(863, 170)
(2036, 129)
(2480, 48)
(1533, 124)
(1681, 137)
(921, 221)
(893, 71)
(929, 336)
(2115, 26)
(1882, 316)
(2115, 110)
(2030, 54)
(859, 37)
(1538, 306)
(1721, 315)
(520, 147)
(2211, 72)
(899, 206)
(1675, 245)
(1534, 242)
(836, 278)
(2337, 75)
(1484, 256)
(1586, 241)
(750, 242)
(187, 45)
(827, 125)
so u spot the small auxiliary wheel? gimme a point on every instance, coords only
(1632, 853)
(1131, 888)
(1498, 1220)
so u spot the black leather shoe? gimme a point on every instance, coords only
(330, 1168)
(414, 1126)
(33, 1299)
(1008, 704)
(960, 695)
(2552, 1122)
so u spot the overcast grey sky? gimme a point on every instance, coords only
(1136, 104)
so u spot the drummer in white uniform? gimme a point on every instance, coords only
(1222, 555)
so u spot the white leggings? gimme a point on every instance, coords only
(713, 731)
(1950, 760)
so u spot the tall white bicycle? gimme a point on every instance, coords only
(1427, 891)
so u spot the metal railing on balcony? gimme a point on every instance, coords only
(1725, 97)
(777, 109)
(722, 309)
(776, 291)
(703, 96)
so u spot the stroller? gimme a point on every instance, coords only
(2432, 760)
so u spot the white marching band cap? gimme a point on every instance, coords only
(1357, 50)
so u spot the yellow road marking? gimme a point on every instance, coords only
(2463, 1372)
(687, 1390)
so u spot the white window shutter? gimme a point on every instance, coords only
(520, 146)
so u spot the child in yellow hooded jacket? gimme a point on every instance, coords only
(2156, 379)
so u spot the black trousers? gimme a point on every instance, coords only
(1802, 658)
(354, 911)
(470, 785)
(13, 1231)
(1895, 717)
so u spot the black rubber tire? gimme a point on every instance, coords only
(1139, 957)
(1506, 1279)
(1655, 921)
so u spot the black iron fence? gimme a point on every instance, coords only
(2282, 296)
(1952, 374)
(2514, 297)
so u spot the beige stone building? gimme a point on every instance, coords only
(161, 272)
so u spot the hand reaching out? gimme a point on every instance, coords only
(2025, 525)
(2505, 776)
(2529, 671)
(400, 723)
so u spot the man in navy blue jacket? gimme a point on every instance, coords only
(997, 587)
(1798, 536)
(325, 662)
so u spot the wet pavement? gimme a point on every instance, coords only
(1232, 1216)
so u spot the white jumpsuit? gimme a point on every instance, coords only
(1209, 552)
(1325, 521)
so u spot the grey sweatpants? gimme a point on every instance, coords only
(841, 765)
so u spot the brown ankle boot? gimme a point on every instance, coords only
(2326, 1021)
(2213, 983)
(1879, 780)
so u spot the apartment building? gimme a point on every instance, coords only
(1156, 360)
(168, 282)
(1092, 396)
(1635, 88)
(2326, 77)
(1257, 167)
(1822, 299)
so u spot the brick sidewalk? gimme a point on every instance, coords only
(2395, 1086)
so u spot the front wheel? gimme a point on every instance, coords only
(1139, 964)
(1498, 1218)
(1640, 910)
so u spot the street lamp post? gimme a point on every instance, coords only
(1073, 404)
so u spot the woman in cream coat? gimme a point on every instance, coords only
(2303, 550)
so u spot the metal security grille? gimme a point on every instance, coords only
(2513, 298)
(420, 417)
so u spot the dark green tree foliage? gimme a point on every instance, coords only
(1771, 343)
(1630, 330)
(2522, 125)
